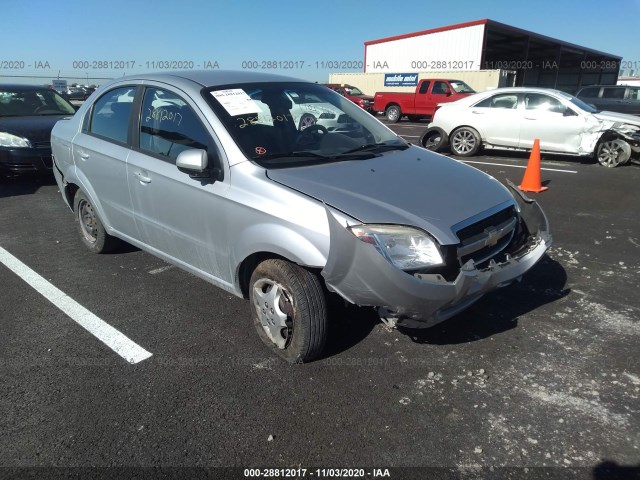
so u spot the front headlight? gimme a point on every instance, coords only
(404, 247)
(8, 140)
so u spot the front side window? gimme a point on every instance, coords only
(634, 93)
(541, 102)
(460, 87)
(111, 113)
(613, 92)
(440, 88)
(355, 91)
(169, 126)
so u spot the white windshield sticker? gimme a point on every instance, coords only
(235, 101)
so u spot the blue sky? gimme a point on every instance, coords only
(57, 34)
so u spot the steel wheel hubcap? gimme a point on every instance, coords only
(275, 311)
(87, 219)
(393, 114)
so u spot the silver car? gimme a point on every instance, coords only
(195, 172)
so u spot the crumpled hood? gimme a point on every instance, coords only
(35, 128)
(412, 187)
(615, 117)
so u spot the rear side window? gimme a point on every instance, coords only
(111, 113)
(169, 126)
(591, 92)
(509, 100)
(613, 92)
(424, 87)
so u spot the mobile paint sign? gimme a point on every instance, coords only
(400, 79)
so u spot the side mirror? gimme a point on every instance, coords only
(447, 92)
(195, 162)
(192, 161)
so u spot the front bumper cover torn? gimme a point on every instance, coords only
(356, 271)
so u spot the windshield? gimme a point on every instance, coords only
(460, 87)
(22, 103)
(293, 124)
(579, 103)
(355, 91)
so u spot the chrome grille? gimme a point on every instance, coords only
(483, 240)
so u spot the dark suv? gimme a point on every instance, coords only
(354, 94)
(614, 98)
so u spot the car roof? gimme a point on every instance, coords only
(212, 78)
(18, 87)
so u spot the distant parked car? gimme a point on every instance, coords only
(77, 93)
(614, 98)
(196, 172)
(27, 115)
(511, 118)
(354, 94)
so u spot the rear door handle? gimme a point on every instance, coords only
(141, 177)
(477, 112)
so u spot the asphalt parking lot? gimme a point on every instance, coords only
(544, 373)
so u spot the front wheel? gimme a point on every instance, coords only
(613, 152)
(393, 113)
(289, 311)
(464, 142)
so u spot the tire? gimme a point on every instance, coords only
(92, 232)
(613, 152)
(464, 142)
(306, 121)
(393, 113)
(434, 139)
(288, 310)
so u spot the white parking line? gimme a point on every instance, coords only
(518, 166)
(112, 338)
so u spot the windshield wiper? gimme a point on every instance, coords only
(289, 155)
(374, 146)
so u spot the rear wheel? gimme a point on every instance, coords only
(433, 139)
(613, 152)
(289, 311)
(92, 233)
(465, 142)
(393, 113)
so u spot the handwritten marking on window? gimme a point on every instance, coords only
(162, 114)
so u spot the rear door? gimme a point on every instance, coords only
(422, 101)
(180, 217)
(100, 152)
(498, 119)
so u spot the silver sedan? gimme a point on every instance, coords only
(188, 167)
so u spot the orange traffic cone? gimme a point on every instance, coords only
(531, 181)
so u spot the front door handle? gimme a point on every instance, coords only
(83, 155)
(141, 177)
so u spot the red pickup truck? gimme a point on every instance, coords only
(422, 103)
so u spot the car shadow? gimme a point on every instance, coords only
(499, 310)
(495, 313)
(16, 186)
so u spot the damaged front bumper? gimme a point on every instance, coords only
(356, 271)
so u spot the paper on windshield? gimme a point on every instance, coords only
(235, 101)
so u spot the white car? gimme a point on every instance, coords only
(304, 109)
(511, 118)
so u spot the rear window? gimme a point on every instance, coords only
(591, 92)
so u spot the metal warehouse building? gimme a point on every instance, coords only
(535, 60)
